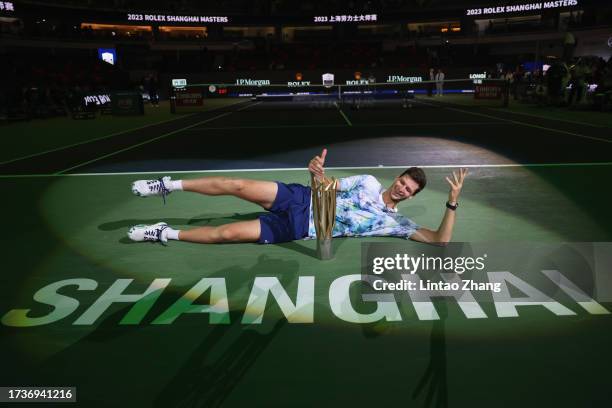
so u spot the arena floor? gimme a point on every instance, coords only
(536, 175)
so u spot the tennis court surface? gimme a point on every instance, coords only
(538, 175)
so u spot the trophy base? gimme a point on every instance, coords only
(324, 249)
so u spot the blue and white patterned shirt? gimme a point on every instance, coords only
(361, 211)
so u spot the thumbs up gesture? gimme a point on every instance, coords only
(315, 167)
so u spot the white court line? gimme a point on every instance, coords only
(152, 140)
(29, 156)
(534, 126)
(249, 106)
(548, 118)
(379, 167)
(56, 149)
(407, 124)
(348, 122)
(518, 122)
(140, 144)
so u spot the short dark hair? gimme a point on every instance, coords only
(418, 175)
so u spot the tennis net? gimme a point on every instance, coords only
(418, 95)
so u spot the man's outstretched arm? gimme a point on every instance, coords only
(444, 233)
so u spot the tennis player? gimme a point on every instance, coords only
(363, 208)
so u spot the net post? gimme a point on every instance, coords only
(172, 100)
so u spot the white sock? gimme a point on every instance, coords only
(175, 185)
(172, 233)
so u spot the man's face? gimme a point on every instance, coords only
(402, 188)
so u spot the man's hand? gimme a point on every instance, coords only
(444, 233)
(456, 184)
(315, 167)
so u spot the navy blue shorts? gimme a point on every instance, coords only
(287, 219)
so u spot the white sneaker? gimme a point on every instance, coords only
(148, 188)
(153, 233)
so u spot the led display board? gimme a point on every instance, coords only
(170, 18)
(108, 55)
(520, 8)
(7, 6)
(344, 18)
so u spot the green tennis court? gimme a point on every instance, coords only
(534, 176)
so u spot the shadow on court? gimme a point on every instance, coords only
(209, 221)
(434, 385)
(214, 220)
(202, 383)
(163, 357)
(432, 388)
(205, 381)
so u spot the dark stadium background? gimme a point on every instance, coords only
(75, 131)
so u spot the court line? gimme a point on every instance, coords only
(354, 125)
(263, 127)
(344, 116)
(518, 122)
(534, 126)
(29, 156)
(379, 167)
(56, 149)
(138, 144)
(549, 118)
(153, 139)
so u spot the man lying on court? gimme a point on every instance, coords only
(363, 208)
